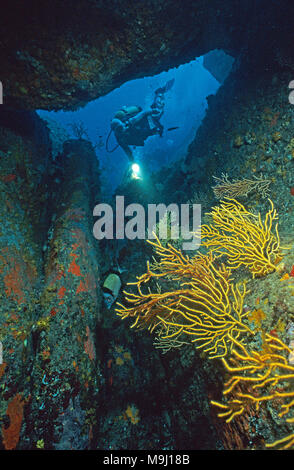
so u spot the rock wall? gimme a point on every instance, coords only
(74, 376)
(247, 133)
(50, 304)
(60, 55)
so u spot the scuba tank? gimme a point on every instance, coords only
(123, 114)
(127, 112)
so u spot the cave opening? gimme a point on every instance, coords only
(112, 343)
(185, 107)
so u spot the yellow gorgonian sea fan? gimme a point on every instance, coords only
(258, 378)
(243, 237)
(206, 308)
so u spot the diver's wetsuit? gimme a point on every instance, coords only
(135, 130)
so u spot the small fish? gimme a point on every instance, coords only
(111, 288)
(172, 128)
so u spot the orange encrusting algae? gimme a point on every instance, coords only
(15, 413)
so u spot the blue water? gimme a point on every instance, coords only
(185, 107)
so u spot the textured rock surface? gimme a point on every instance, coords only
(24, 162)
(218, 64)
(60, 55)
(70, 378)
(50, 304)
(247, 132)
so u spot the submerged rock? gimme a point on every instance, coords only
(60, 55)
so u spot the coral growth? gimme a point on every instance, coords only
(133, 414)
(195, 300)
(15, 413)
(237, 188)
(207, 308)
(89, 345)
(258, 377)
(243, 237)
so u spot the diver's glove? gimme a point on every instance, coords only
(156, 112)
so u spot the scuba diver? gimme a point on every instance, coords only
(132, 125)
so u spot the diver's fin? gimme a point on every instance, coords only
(169, 84)
(166, 87)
